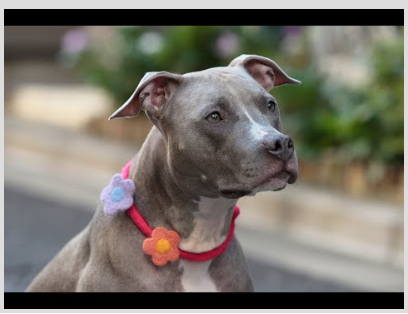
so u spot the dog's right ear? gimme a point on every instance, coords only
(153, 91)
(265, 71)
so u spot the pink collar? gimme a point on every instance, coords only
(156, 244)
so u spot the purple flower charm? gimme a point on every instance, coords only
(118, 195)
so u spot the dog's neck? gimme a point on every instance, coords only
(202, 223)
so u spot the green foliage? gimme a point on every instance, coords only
(364, 123)
(178, 49)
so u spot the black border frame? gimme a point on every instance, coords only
(261, 300)
(21, 17)
(301, 300)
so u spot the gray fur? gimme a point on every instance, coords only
(185, 159)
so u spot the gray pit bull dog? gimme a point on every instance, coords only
(217, 136)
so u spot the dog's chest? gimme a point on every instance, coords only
(196, 277)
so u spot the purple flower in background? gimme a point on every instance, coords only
(227, 44)
(118, 195)
(291, 30)
(74, 41)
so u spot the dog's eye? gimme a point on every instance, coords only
(271, 105)
(214, 116)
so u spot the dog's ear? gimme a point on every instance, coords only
(265, 71)
(153, 91)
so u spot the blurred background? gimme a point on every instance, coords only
(339, 228)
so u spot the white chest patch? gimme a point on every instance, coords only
(196, 277)
(209, 222)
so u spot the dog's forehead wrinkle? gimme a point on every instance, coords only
(195, 95)
(223, 85)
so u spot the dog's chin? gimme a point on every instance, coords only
(274, 185)
(273, 182)
(276, 182)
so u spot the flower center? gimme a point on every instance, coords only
(117, 194)
(163, 246)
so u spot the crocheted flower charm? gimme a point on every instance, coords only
(118, 195)
(162, 246)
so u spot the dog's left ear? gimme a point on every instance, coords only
(265, 71)
(153, 91)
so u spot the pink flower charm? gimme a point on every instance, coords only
(118, 195)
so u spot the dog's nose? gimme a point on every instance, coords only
(280, 146)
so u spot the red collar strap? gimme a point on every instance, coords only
(162, 244)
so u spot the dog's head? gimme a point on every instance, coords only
(221, 125)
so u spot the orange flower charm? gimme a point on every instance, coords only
(162, 246)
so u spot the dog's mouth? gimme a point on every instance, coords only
(234, 193)
(283, 177)
(275, 180)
